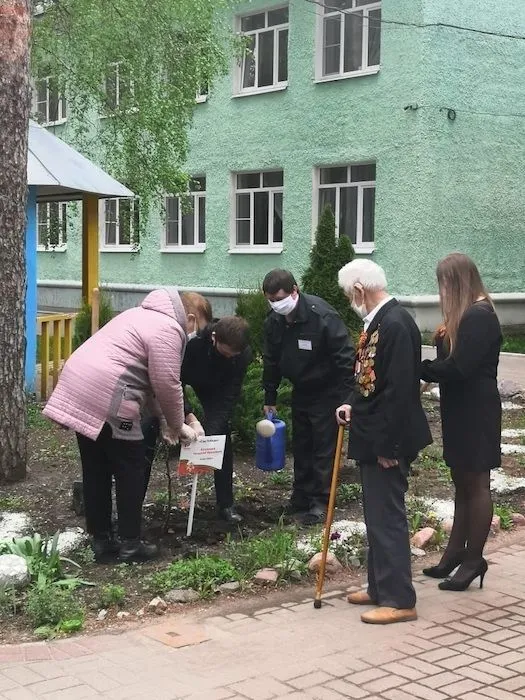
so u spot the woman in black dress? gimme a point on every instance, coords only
(468, 347)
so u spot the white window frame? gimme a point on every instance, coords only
(360, 247)
(111, 111)
(196, 196)
(277, 85)
(62, 104)
(62, 222)
(319, 42)
(117, 247)
(202, 96)
(268, 248)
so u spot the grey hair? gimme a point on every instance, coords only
(365, 272)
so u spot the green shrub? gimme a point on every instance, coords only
(431, 458)
(282, 478)
(112, 595)
(253, 307)
(249, 408)
(202, 574)
(195, 403)
(8, 601)
(12, 503)
(420, 515)
(347, 543)
(349, 493)
(44, 562)
(327, 257)
(83, 320)
(161, 498)
(51, 605)
(85, 556)
(34, 416)
(505, 515)
(276, 549)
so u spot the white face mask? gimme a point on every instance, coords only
(195, 327)
(361, 311)
(284, 306)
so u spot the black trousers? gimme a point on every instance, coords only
(314, 438)
(389, 564)
(223, 477)
(103, 459)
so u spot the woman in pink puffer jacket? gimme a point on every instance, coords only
(132, 362)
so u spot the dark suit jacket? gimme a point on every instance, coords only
(390, 421)
(216, 380)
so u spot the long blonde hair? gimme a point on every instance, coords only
(460, 286)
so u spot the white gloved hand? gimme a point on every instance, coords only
(197, 427)
(187, 435)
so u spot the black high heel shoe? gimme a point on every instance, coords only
(444, 570)
(458, 584)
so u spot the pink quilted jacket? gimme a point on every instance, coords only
(132, 361)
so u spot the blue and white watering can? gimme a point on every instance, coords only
(270, 452)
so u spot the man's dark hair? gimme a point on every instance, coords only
(233, 331)
(277, 280)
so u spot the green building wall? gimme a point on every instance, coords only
(443, 183)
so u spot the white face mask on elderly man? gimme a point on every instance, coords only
(360, 310)
(284, 306)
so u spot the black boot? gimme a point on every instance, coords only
(105, 549)
(230, 515)
(296, 506)
(137, 551)
(315, 516)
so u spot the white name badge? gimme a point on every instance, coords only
(305, 344)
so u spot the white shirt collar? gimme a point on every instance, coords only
(370, 317)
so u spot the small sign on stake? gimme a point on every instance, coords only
(201, 457)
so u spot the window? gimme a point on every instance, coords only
(350, 38)
(265, 62)
(259, 210)
(48, 104)
(350, 192)
(202, 94)
(52, 226)
(119, 89)
(186, 228)
(119, 223)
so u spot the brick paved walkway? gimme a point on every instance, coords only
(468, 646)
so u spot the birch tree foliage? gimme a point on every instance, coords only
(130, 71)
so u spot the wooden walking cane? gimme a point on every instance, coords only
(329, 516)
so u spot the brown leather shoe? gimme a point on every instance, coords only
(388, 616)
(360, 598)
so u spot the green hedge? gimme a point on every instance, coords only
(249, 410)
(83, 320)
(253, 307)
(328, 255)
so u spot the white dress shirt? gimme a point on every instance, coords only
(370, 317)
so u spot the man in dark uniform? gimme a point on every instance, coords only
(306, 341)
(215, 363)
(388, 428)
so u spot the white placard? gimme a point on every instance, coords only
(201, 456)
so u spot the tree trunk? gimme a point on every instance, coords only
(15, 25)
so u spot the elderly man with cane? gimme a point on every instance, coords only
(388, 428)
